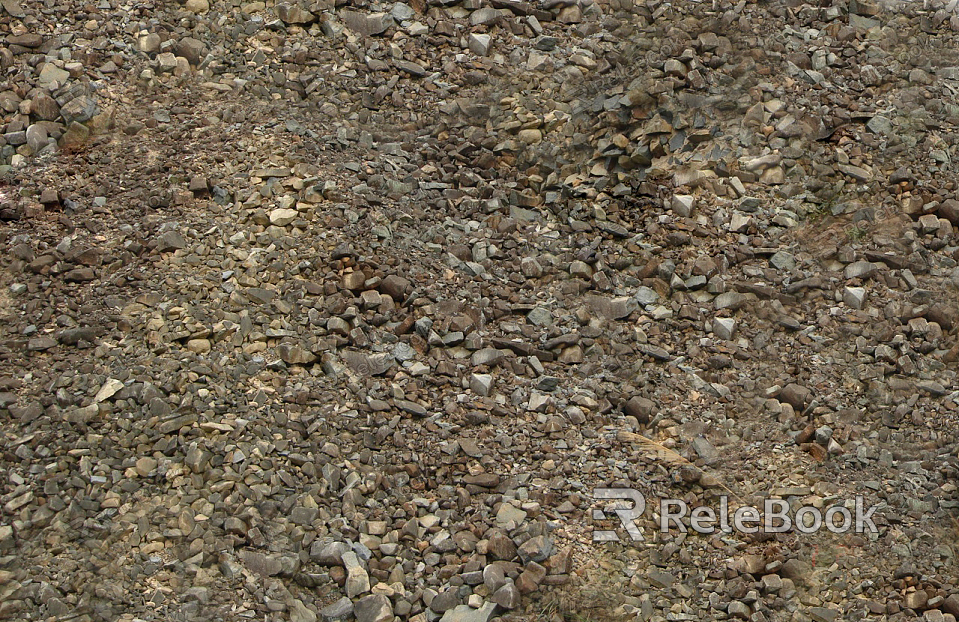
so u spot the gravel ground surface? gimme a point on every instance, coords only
(332, 310)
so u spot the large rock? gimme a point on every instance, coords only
(373, 608)
(366, 24)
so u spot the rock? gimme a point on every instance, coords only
(44, 107)
(731, 300)
(328, 553)
(823, 614)
(197, 6)
(914, 600)
(365, 24)
(737, 609)
(191, 49)
(339, 611)
(951, 605)
(445, 601)
(481, 384)
(37, 138)
(75, 138)
(783, 261)
(507, 596)
(301, 613)
(682, 204)
(949, 209)
(530, 579)
(282, 217)
(536, 549)
(357, 579)
(641, 408)
(395, 287)
(373, 608)
(294, 14)
(724, 328)
(509, 514)
(580, 269)
(414, 69)
(479, 44)
(500, 545)
(170, 241)
(854, 297)
(796, 396)
(612, 308)
(860, 270)
(796, 569)
(52, 76)
(149, 43)
(484, 16)
(531, 136)
(465, 613)
(258, 563)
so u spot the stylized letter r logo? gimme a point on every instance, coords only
(626, 515)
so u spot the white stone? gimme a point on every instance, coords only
(479, 44)
(282, 217)
(724, 327)
(854, 297)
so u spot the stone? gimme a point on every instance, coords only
(78, 110)
(301, 613)
(75, 138)
(529, 580)
(916, 600)
(282, 217)
(536, 549)
(796, 395)
(37, 137)
(854, 297)
(357, 579)
(738, 609)
(395, 287)
(465, 613)
(683, 204)
(170, 241)
(783, 261)
(612, 308)
(52, 76)
(823, 614)
(191, 49)
(481, 384)
(373, 608)
(860, 270)
(724, 328)
(509, 514)
(641, 408)
(484, 16)
(479, 44)
(366, 24)
(507, 596)
(339, 611)
(328, 553)
(444, 601)
(197, 6)
(294, 14)
(530, 136)
(44, 107)
(951, 605)
(149, 43)
(261, 564)
(540, 316)
(730, 300)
